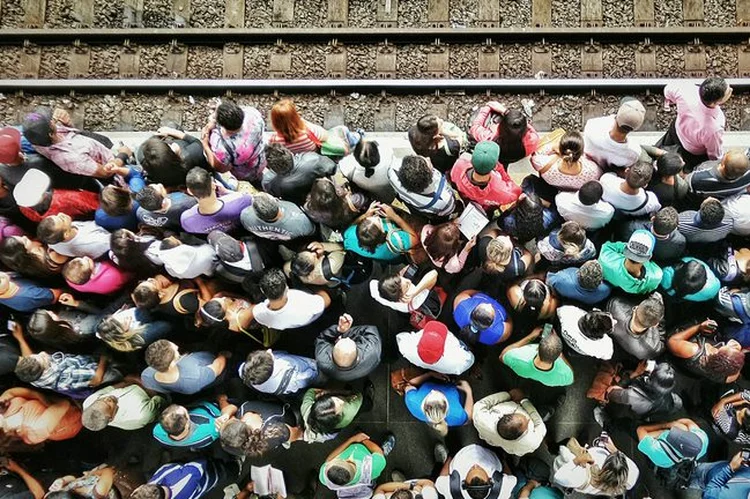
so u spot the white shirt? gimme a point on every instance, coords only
(603, 348)
(188, 262)
(604, 150)
(468, 457)
(399, 306)
(738, 207)
(90, 240)
(491, 408)
(591, 217)
(456, 359)
(378, 183)
(428, 492)
(628, 203)
(300, 310)
(569, 475)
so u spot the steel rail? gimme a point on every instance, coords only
(375, 35)
(345, 86)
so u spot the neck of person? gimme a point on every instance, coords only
(172, 374)
(634, 327)
(165, 206)
(9, 291)
(616, 135)
(659, 236)
(541, 365)
(633, 268)
(479, 179)
(625, 187)
(185, 432)
(73, 234)
(209, 205)
(278, 304)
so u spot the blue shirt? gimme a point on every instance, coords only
(203, 432)
(565, 283)
(653, 448)
(112, 223)
(706, 293)
(718, 481)
(187, 481)
(456, 414)
(462, 316)
(29, 297)
(195, 375)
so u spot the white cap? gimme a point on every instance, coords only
(31, 189)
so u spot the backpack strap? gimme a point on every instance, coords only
(455, 485)
(256, 261)
(435, 195)
(640, 207)
(285, 380)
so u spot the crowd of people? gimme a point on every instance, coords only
(197, 287)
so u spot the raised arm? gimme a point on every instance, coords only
(681, 346)
(36, 488)
(522, 342)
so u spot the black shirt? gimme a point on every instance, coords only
(13, 487)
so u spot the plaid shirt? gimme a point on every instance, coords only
(68, 373)
(76, 153)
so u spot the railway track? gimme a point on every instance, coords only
(372, 14)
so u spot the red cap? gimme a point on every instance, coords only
(432, 343)
(10, 145)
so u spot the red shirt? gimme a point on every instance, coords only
(80, 205)
(500, 192)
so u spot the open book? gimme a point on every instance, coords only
(268, 480)
(472, 221)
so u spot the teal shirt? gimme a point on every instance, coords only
(203, 432)
(612, 260)
(651, 447)
(357, 452)
(709, 290)
(521, 360)
(398, 242)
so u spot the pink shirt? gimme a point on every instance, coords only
(106, 278)
(699, 128)
(308, 141)
(500, 192)
(76, 153)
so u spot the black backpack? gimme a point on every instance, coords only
(678, 475)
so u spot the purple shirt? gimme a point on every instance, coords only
(226, 219)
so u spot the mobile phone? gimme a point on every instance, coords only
(231, 491)
(712, 325)
(11, 325)
(745, 455)
(650, 365)
(546, 330)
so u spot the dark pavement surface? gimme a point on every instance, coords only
(413, 451)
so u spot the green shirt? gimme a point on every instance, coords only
(135, 407)
(612, 260)
(348, 412)
(521, 360)
(357, 453)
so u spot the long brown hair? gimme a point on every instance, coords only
(443, 242)
(286, 120)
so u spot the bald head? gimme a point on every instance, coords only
(735, 164)
(345, 353)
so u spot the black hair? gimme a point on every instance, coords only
(273, 284)
(529, 217)
(367, 155)
(711, 213)
(712, 90)
(590, 193)
(669, 164)
(595, 324)
(415, 173)
(149, 198)
(258, 368)
(279, 159)
(199, 182)
(161, 163)
(666, 221)
(550, 348)
(230, 116)
(689, 277)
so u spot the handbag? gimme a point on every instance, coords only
(335, 146)
(608, 376)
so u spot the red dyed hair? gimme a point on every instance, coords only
(286, 121)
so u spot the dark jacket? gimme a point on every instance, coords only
(294, 186)
(368, 343)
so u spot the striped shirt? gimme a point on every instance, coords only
(707, 181)
(305, 141)
(690, 227)
(187, 481)
(202, 433)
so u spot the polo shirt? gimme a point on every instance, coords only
(456, 414)
(203, 432)
(521, 360)
(90, 240)
(653, 448)
(29, 296)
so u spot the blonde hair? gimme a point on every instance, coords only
(498, 250)
(572, 237)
